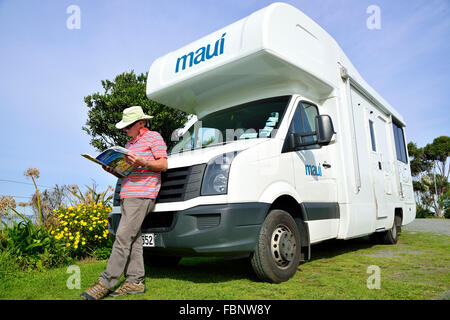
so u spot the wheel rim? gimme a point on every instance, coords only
(283, 246)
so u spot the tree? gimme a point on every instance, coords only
(439, 151)
(430, 171)
(105, 110)
(418, 162)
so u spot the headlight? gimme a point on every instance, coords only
(217, 171)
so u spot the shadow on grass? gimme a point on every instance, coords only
(333, 248)
(205, 270)
(216, 270)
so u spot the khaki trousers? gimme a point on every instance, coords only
(126, 255)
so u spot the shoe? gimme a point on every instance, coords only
(128, 288)
(96, 292)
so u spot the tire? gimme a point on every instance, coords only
(391, 236)
(278, 249)
(160, 261)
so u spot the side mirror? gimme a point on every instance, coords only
(322, 136)
(324, 129)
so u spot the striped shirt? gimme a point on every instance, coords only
(142, 182)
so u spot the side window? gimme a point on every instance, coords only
(304, 121)
(372, 136)
(399, 138)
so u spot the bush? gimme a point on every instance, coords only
(32, 246)
(422, 212)
(83, 229)
(445, 201)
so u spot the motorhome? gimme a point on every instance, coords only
(291, 147)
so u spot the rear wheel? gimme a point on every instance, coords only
(391, 236)
(277, 253)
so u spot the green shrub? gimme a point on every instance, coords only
(102, 253)
(422, 212)
(446, 204)
(32, 246)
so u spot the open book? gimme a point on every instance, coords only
(113, 157)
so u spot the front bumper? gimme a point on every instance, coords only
(205, 230)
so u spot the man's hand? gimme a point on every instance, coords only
(135, 160)
(154, 165)
(111, 170)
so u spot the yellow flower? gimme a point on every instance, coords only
(67, 244)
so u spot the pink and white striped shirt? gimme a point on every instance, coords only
(142, 182)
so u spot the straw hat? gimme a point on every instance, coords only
(130, 115)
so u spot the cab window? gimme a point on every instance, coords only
(304, 122)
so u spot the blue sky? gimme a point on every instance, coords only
(47, 69)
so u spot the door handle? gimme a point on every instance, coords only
(379, 165)
(327, 165)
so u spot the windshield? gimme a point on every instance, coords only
(257, 119)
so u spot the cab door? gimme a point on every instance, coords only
(314, 174)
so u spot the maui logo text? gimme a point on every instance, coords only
(201, 54)
(312, 170)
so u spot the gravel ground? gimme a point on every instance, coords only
(439, 226)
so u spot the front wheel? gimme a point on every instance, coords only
(277, 253)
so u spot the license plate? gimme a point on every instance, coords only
(148, 239)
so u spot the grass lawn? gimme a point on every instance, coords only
(416, 268)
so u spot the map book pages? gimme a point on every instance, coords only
(113, 157)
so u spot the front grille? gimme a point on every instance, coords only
(116, 199)
(181, 184)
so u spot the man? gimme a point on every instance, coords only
(147, 152)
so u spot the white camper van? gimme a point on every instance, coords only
(291, 147)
